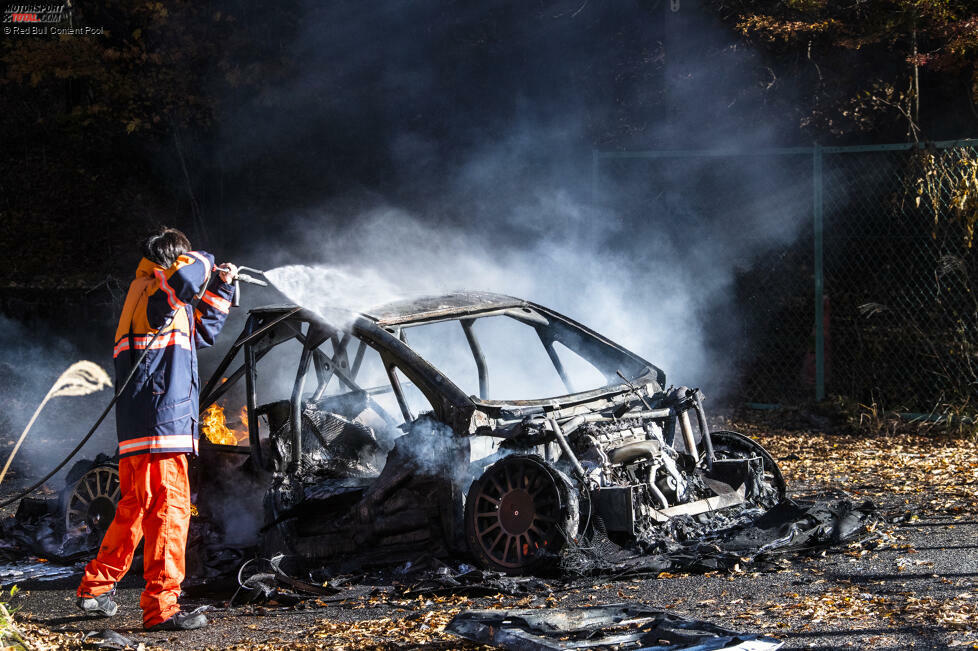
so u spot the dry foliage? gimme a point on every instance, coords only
(940, 471)
(950, 178)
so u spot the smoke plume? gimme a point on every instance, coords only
(461, 160)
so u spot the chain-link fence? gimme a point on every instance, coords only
(855, 272)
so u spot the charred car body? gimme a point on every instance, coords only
(377, 452)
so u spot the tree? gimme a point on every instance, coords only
(871, 66)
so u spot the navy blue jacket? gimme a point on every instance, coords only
(158, 410)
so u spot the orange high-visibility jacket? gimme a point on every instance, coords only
(158, 410)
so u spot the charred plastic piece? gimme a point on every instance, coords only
(613, 626)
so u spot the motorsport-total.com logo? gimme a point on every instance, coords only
(43, 20)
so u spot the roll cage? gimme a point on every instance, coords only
(386, 332)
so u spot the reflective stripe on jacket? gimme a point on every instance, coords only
(158, 411)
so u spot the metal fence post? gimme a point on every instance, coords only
(819, 284)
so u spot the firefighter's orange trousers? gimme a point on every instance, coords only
(155, 503)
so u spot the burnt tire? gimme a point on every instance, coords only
(90, 500)
(733, 445)
(519, 514)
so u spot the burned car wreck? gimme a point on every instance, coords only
(470, 424)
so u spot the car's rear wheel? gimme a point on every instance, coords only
(518, 514)
(92, 499)
(733, 445)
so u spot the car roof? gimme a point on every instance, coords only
(423, 308)
(455, 304)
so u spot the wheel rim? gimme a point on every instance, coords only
(93, 499)
(517, 510)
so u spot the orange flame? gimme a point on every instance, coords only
(214, 426)
(243, 417)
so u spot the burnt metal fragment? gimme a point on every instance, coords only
(264, 580)
(109, 639)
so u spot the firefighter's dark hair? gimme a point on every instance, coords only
(164, 245)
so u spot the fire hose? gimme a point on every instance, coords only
(132, 372)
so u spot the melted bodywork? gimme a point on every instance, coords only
(382, 466)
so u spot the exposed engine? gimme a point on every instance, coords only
(625, 466)
(626, 454)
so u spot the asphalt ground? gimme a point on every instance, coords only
(913, 583)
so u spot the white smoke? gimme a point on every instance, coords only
(494, 194)
(574, 269)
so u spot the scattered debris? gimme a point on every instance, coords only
(722, 543)
(264, 581)
(109, 639)
(410, 603)
(470, 581)
(593, 627)
(64, 527)
(39, 570)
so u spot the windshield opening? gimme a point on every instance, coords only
(519, 354)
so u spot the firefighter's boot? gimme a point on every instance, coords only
(101, 606)
(182, 621)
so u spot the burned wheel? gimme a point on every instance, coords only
(518, 514)
(92, 499)
(770, 488)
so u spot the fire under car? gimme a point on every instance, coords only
(469, 424)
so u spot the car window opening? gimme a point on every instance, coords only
(515, 355)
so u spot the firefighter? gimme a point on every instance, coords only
(182, 294)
